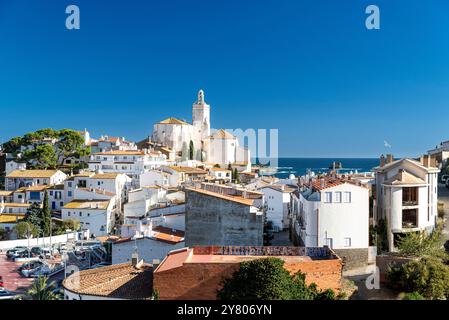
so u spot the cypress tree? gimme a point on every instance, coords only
(46, 217)
(191, 150)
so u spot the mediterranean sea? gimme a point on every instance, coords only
(300, 166)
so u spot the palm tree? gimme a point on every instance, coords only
(41, 290)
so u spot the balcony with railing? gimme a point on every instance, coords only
(409, 218)
(409, 196)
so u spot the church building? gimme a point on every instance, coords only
(220, 147)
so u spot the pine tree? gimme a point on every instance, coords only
(33, 216)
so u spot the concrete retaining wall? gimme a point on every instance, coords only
(353, 258)
(9, 244)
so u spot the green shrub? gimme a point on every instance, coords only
(427, 276)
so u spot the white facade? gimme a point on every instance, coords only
(27, 178)
(174, 133)
(223, 148)
(407, 197)
(219, 148)
(98, 216)
(131, 163)
(277, 199)
(335, 216)
(148, 249)
(12, 166)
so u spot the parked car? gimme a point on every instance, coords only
(21, 254)
(6, 295)
(1, 282)
(444, 178)
(447, 183)
(44, 270)
(29, 265)
(11, 252)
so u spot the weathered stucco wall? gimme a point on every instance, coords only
(219, 222)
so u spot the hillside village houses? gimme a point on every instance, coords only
(133, 163)
(406, 196)
(147, 198)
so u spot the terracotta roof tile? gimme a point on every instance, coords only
(121, 281)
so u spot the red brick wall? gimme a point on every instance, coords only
(201, 281)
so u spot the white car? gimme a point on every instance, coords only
(6, 295)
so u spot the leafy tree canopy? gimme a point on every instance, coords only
(267, 279)
(420, 244)
(69, 143)
(42, 290)
(427, 277)
(25, 229)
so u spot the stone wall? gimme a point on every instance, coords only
(353, 258)
(220, 222)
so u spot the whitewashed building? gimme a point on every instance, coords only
(13, 166)
(98, 216)
(141, 200)
(406, 196)
(155, 246)
(277, 199)
(131, 163)
(27, 178)
(333, 212)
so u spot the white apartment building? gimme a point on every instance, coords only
(220, 174)
(406, 196)
(277, 199)
(132, 163)
(157, 177)
(332, 212)
(27, 178)
(141, 200)
(98, 183)
(13, 166)
(98, 216)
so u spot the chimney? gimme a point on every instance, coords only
(322, 183)
(401, 174)
(389, 158)
(134, 259)
(426, 160)
(382, 160)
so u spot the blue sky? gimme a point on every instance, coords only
(308, 68)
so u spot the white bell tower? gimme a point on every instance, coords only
(201, 116)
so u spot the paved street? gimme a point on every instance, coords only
(14, 281)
